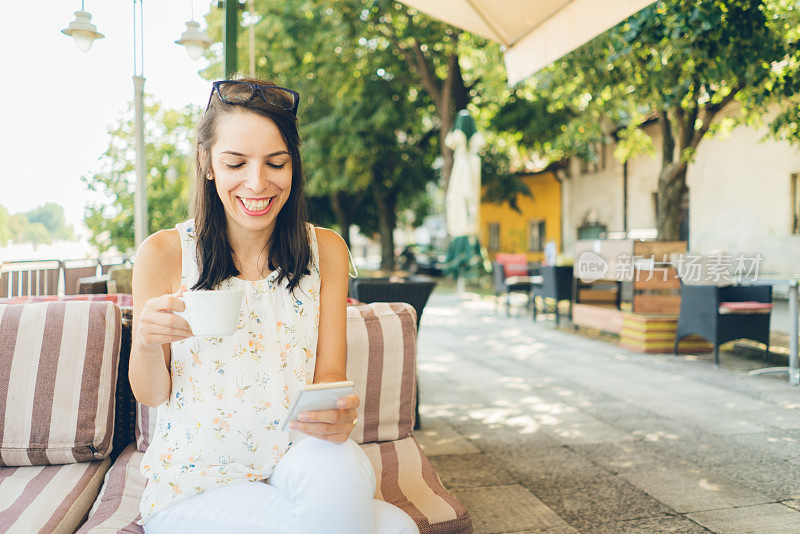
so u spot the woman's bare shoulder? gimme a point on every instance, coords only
(332, 249)
(160, 255)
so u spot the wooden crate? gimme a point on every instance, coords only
(605, 318)
(656, 334)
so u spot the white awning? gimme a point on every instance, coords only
(534, 32)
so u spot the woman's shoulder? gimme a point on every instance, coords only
(332, 248)
(161, 253)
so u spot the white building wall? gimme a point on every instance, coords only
(739, 196)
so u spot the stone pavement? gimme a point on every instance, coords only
(542, 430)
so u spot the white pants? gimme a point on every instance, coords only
(317, 487)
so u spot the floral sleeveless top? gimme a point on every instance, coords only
(219, 425)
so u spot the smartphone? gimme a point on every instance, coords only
(317, 397)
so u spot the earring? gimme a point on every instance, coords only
(209, 177)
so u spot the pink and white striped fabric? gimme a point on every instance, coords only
(48, 499)
(381, 359)
(58, 376)
(121, 299)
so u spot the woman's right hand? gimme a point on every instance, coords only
(158, 324)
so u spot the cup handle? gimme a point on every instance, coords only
(185, 313)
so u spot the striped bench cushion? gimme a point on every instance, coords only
(404, 475)
(117, 507)
(406, 479)
(58, 376)
(48, 499)
(381, 360)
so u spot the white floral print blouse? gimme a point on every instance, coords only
(219, 425)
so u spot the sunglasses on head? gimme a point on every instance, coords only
(238, 92)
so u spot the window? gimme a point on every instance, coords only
(536, 236)
(494, 237)
(796, 203)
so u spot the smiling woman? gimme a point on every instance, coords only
(220, 398)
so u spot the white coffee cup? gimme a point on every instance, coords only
(212, 313)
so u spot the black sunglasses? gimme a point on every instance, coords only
(238, 92)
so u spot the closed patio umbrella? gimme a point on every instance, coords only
(462, 201)
(534, 32)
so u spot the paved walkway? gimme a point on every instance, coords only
(541, 430)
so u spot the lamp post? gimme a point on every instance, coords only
(195, 42)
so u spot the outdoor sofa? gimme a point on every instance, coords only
(72, 436)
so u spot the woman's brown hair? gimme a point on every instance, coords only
(288, 247)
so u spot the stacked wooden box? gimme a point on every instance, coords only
(656, 334)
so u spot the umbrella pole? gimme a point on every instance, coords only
(460, 284)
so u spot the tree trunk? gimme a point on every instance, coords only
(671, 190)
(671, 182)
(387, 220)
(342, 208)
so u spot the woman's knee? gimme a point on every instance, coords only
(336, 461)
(390, 519)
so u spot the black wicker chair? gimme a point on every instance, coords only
(505, 285)
(700, 315)
(413, 290)
(556, 284)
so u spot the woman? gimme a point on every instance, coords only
(217, 462)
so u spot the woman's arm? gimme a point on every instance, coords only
(331, 365)
(155, 271)
(332, 341)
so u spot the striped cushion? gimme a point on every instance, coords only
(47, 499)
(404, 475)
(406, 479)
(58, 374)
(122, 299)
(117, 507)
(381, 353)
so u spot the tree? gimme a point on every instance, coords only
(51, 215)
(367, 148)
(678, 62)
(170, 162)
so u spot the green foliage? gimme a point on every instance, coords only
(170, 162)
(38, 226)
(683, 59)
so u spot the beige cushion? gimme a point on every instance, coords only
(58, 376)
(50, 498)
(406, 479)
(381, 360)
(117, 507)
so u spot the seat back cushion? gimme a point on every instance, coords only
(381, 361)
(58, 375)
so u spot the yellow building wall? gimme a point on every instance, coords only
(545, 205)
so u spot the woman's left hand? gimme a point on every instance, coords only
(330, 425)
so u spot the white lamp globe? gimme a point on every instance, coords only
(194, 40)
(82, 31)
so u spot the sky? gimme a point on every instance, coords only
(58, 101)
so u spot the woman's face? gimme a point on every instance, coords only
(252, 170)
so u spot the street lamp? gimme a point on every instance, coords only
(193, 39)
(196, 41)
(82, 30)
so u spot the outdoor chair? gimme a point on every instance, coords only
(725, 313)
(413, 290)
(90, 285)
(557, 285)
(514, 277)
(65, 457)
